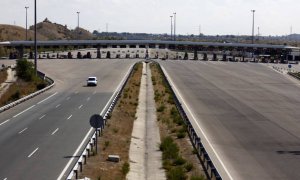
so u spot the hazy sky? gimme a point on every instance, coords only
(273, 17)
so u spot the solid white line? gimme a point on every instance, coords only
(42, 117)
(91, 129)
(4, 122)
(190, 112)
(47, 98)
(80, 107)
(23, 111)
(33, 152)
(5, 179)
(69, 117)
(23, 130)
(75, 153)
(55, 131)
(57, 106)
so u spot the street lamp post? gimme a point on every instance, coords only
(26, 7)
(174, 26)
(171, 27)
(253, 11)
(35, 41)
(78, 19)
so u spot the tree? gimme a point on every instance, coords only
(25, 70)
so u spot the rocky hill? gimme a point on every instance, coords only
(54, 31)
(46, 30)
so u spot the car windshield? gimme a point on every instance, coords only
(92, 79)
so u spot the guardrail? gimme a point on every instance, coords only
(48, 79)
(209, 167)
(89, 147)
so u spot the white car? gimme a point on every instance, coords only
(92, 81)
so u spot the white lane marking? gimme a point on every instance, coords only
(76, 92)
(33, 152)
(69, 117)
(55, 131)
(94, 92)
(47, 98)
(57, 105)
(190, 112)
(68, 98)
(23, 111)
(91, 129)
(23, 130)
(4, 122)
(5, 179)
(88, 99)
(75, 153)
(80, 107)
(42, 116)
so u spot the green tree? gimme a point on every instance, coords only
(25, 70)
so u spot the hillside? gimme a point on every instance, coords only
(46, 30)
(54, 31)
(16, 33)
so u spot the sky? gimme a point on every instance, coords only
(210, 17)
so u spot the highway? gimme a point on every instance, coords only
(40, 136)
(248, 113)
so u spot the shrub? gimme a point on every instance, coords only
(197, 177)
(176, 173)
(125, 168)
(169, 148)
(161, 108)
(181, 135)
(25, 70)
(188, 167)
(179, 161)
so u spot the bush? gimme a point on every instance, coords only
(198, 178)
(169, 148)
(176, 173)
(179, 161)
(161, 108)
(125, 168)
(188, 167)
(181, 135)
(41, 85)
(25, 70)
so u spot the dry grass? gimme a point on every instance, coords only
(172, 125)
(116, 136)
(18, 90)
(3, 75)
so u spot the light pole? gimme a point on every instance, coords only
(78, 19)
(35, 42)
(253, 11)
(26, 7)
(174, 26)
(171, 27)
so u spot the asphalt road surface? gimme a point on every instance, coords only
(249, 114)
(40, 136)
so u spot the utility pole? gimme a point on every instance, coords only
(174, 26)
(199, 31)
(253, 11)
(106, 28)
(26, 7)
(35, 40)
(171, 27)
